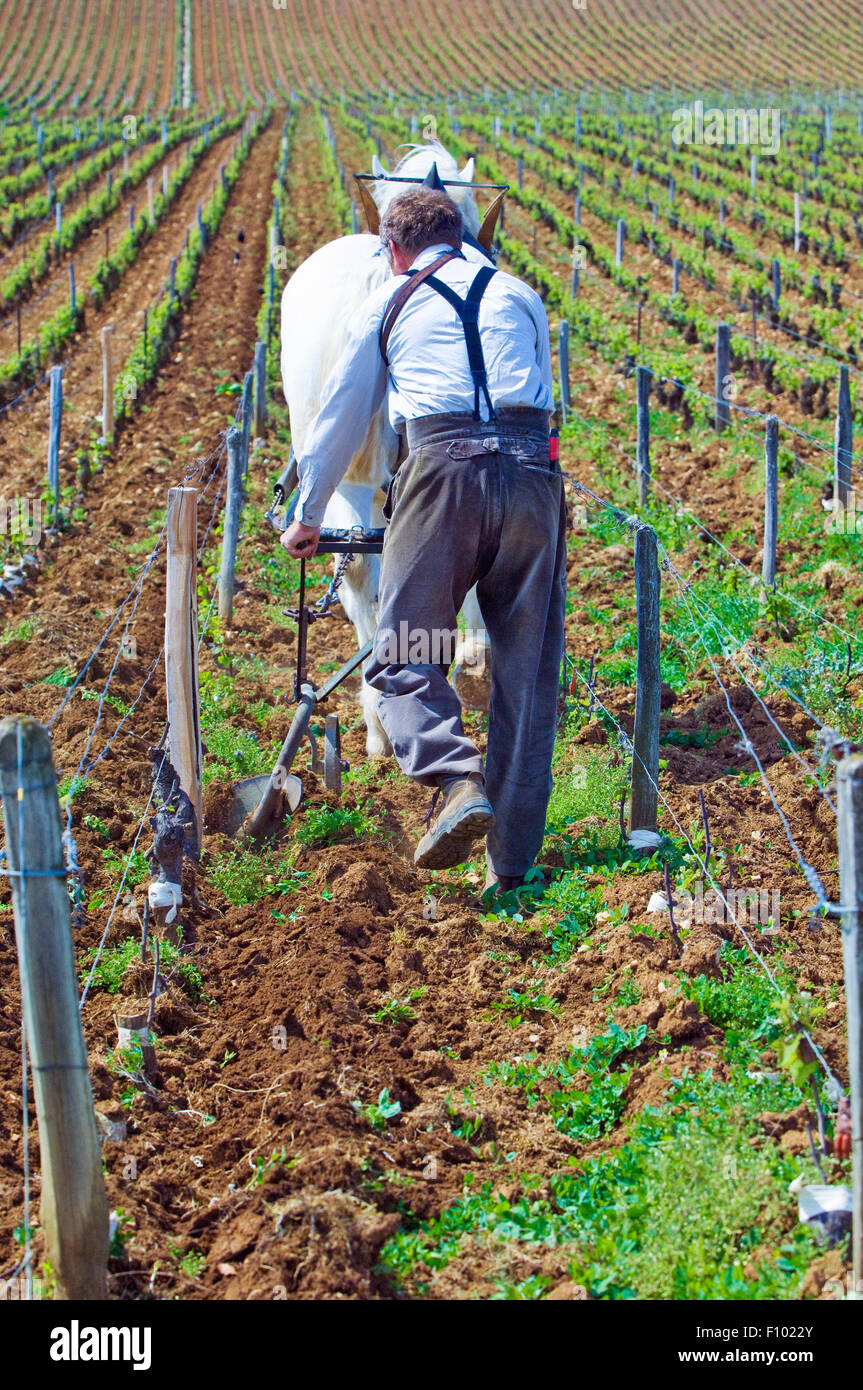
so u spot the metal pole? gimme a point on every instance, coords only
(108, 383)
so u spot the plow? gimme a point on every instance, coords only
(260, 803)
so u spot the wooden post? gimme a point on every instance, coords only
(173, 280)
(577, 209)
(776, 276)
(723, 362)
(58, 218)
(246, 417)
(165, 177)
(638, 323)
(721, 212)
(753, 172)
(843, 443)
(74, 1208)
(151, 201)
(671, 187)
(146, 323)
(18, 324)
(55, 377)
(71, 287)
(771, 501)
(520, 170)
(107, 242)
(260, 370)
(131, 217)
(642, 390)
(181, 647)
(618, 250)
(233, 507)
(796, 222)
(108, 383)
(675, 277)
(849, 781)
(645, 758)
(563, 346)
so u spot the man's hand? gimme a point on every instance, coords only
(301, 541)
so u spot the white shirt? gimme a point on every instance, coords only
(428, 367)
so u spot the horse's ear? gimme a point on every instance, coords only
(377, 168)
(466, 174)
(370, 208)
(433, 179)
(485, 235)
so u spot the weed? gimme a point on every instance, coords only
(379, 1112)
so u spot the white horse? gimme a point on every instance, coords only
(317, 303)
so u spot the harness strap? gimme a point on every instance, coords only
(468, 311)
(403, 294)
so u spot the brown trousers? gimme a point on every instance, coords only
(476, 503)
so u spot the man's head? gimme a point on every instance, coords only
(419, 218)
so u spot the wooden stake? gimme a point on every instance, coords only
(675, 277)
(71, 287)
(771, 501)
(246, 417)
(843, 442)
(151, 201)
(260, 370)
(108, 383)
(796, 222)
(18, 324)
(233, 507)
(645, 759)
(55, 377)
(723, 362)
(181, 647)
(849, 780)
(563, 345)
(618, 250)
(642, 387)
(74, 1208)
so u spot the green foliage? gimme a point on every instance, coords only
(399, 1011)
(378, 1113)
(248, 875)
(322, 825)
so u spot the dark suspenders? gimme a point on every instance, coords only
(467, 310)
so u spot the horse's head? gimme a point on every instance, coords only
(434, 164)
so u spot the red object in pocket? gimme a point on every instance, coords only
(554, 446)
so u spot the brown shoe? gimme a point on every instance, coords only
(463, 815)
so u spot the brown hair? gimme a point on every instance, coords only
(419, 218)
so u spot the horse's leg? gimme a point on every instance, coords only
(354, 505)
(472, 670)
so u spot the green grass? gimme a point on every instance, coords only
(322, 825)
(113, 963)
(247, 876)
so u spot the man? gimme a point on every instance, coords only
(463, 354)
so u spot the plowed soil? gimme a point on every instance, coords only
(248, 1145)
